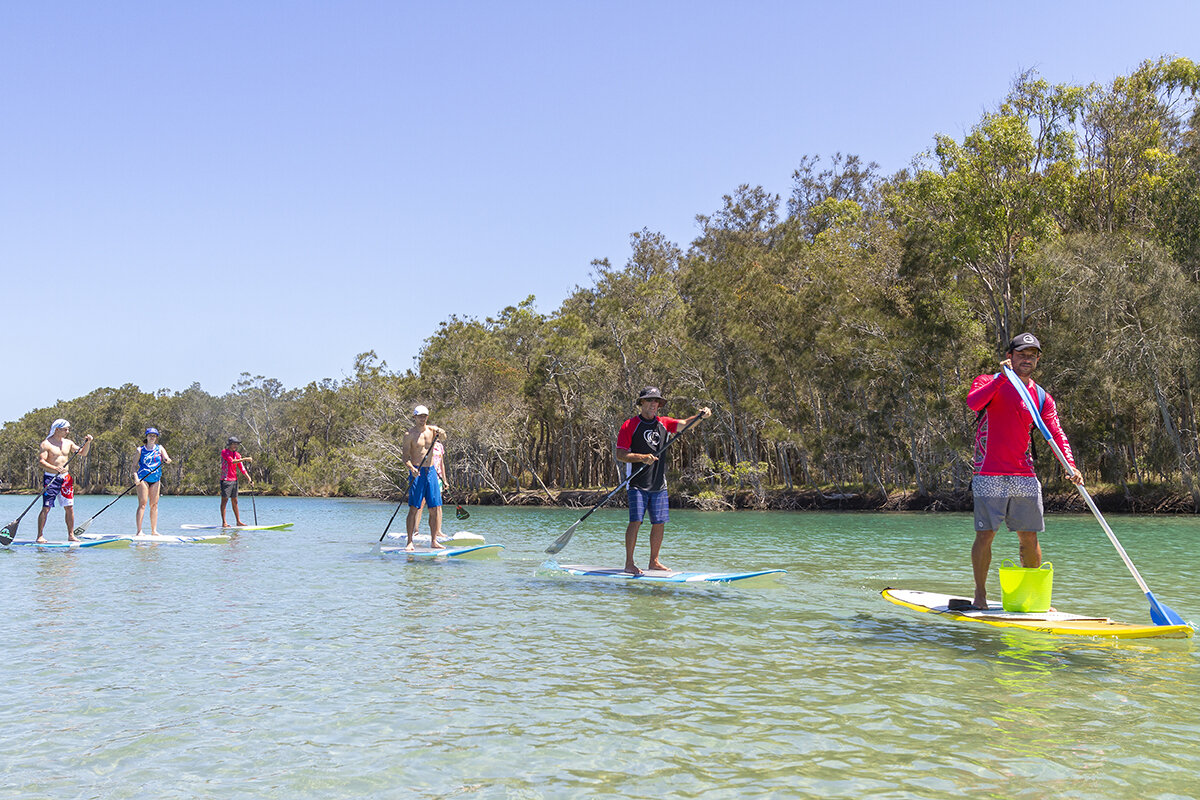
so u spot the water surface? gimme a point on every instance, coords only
(301, 665)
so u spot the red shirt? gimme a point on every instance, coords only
(229, 469)
(1002, 439)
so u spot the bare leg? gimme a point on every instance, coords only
(981, 561)
(155, 488)
(631, 534)
(410, 524)
(656, 540)
(435, 528)
(41, 537)
(236, 516)
(224, 502)
(143, 494)
(1031, 551)
(69, 515)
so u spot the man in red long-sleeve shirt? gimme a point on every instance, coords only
(1005, 484)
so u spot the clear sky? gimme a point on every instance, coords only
(192, 190)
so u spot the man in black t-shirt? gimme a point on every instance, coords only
(638, 442)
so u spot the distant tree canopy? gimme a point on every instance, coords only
(833, 334)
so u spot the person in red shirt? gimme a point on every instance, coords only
(232, 462)
(638, 442)
(1005, 485)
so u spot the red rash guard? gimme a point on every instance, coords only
(1002, 440)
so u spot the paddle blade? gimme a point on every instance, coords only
(561, 541)
(83, 528)
(1161, 614)
(461, 513)
(8, 533)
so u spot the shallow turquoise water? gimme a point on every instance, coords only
(300, 664)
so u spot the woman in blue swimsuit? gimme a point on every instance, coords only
(151, 457)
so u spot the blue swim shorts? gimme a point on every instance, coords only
(427, 487)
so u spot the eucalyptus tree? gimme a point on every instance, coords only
(989, 202)
(1121, 317)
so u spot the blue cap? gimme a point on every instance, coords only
(152, 431)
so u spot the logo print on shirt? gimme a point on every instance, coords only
(652, 437)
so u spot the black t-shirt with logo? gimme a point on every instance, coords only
(641, 435)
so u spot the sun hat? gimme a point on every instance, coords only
(651, 393)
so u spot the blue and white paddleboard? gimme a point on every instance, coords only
(459, 539)
(664, 576)
(282, 526)
(107, 541)
(474, 551)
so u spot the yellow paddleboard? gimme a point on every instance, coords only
(1052, 622)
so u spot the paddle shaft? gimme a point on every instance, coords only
(1025, 397)
(428, 453)
(561, 541)
(85, 525)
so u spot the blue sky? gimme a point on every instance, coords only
(189, 191)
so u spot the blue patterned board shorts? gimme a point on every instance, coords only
(641, 500)
(1015, 500)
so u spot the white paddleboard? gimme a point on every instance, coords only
(282, 526)
(149, 538)
(472, 551)
(461, 538)
(107, 541)
(664, 576)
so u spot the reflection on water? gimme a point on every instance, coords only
(300, 664)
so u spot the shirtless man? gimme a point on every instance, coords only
(56, 451)
(423, 483)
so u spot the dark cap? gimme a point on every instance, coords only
(1024, 341)
(233, 440)
(651, 393)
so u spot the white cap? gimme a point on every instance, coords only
(420, 411)
(58, 423)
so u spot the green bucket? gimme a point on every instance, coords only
(1023, 589)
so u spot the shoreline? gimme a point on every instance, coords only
(1150, 500)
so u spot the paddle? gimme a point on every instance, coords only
(459, 511)
(9, 531)
(428, 453)
(1160, 614)
(561, 541)
(83, 528)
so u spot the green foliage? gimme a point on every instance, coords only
(833, 336)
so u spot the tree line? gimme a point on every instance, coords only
(833, 332)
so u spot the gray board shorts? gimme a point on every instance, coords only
(1015, 500)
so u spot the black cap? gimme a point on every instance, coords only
(651, 393)
(234, 440)
(1024, 341)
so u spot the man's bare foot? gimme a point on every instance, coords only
(40, 540)
(980, 602)
(436, 546)
(656, 564)
(408, 548)
(241, 524)
(632, 569)
(73, 538)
